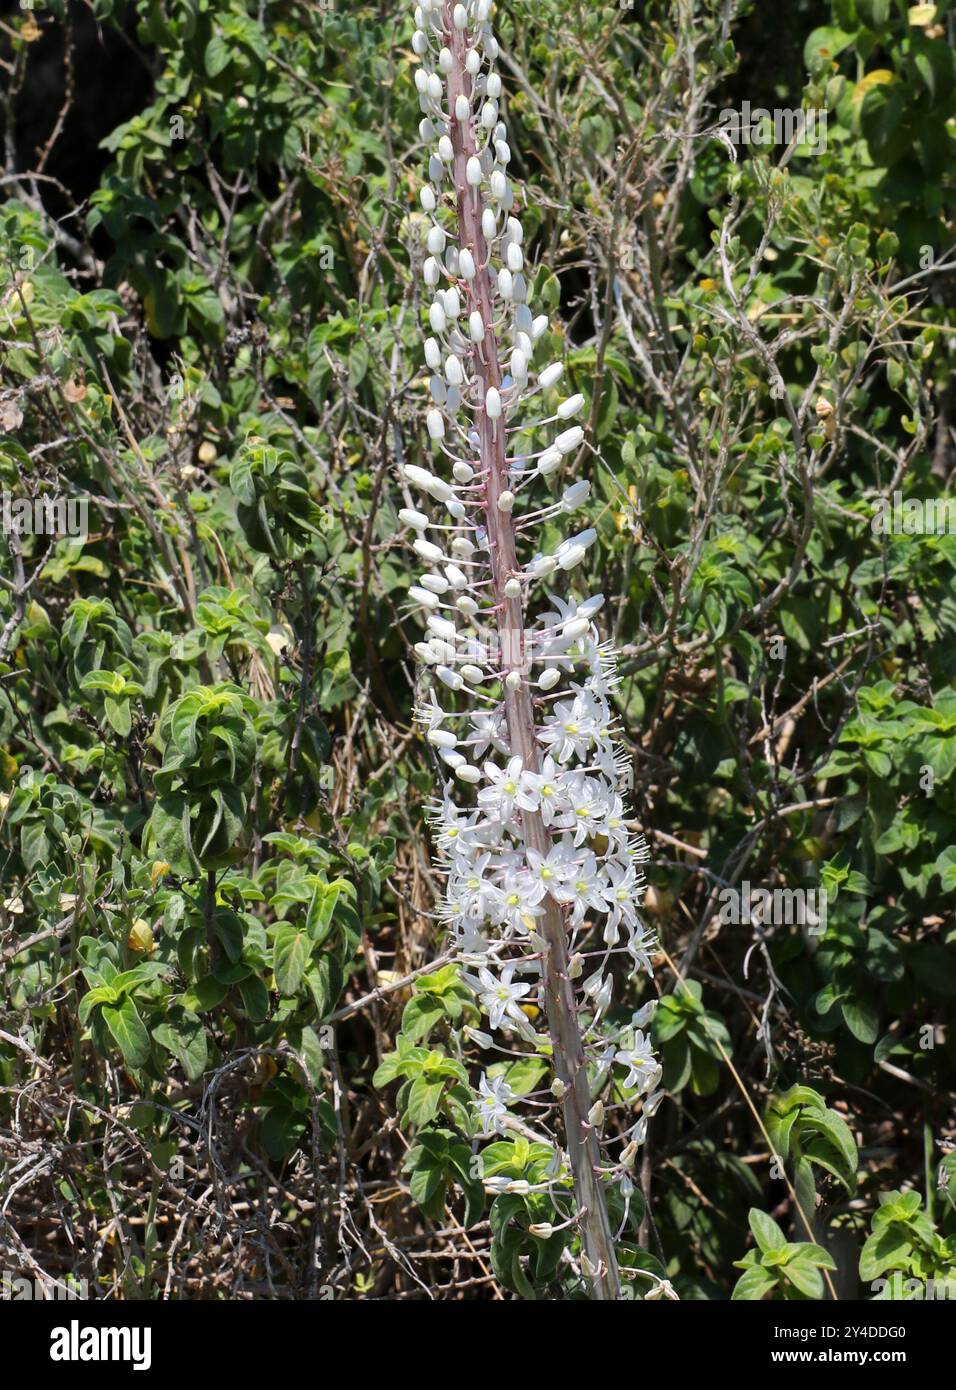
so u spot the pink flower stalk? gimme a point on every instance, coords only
(531, 822)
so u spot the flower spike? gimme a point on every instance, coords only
(544, 876)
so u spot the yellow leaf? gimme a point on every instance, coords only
(879, 77)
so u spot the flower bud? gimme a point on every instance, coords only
(569, 440)
(435, 583)
(442, 738)
(575, 495)
(422, 596)
(492, 403)
(542, 1229)
(436, 424)
(570, 407)
(428, 551)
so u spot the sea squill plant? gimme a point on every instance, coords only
(543, 870)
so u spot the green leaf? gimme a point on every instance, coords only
(129, 1031)
(185, 1038)
(767, 1233)
(753, 1284)
(888, 1248)
(255, 998)
(861, 1019)
(290, 956)
(217, 56)
(325, 981)
(804, 1277)
(35, 846)
(424, 1100)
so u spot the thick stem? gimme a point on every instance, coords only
(569, 1062)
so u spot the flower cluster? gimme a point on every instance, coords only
(517, 708)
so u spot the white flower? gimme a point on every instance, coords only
(627, 885)
(490, 731)
(643, 1069)
(573, 728)
(473, 891)
(521, 894)
(498, 998)
(588, 798)
(585, 887)
(506, 791)
(495, 1094)
(552, 869)
(545, 790)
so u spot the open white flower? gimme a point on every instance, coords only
(643, 1069)
(498, 997)
(494, 1096)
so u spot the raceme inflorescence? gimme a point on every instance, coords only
(544, 873)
